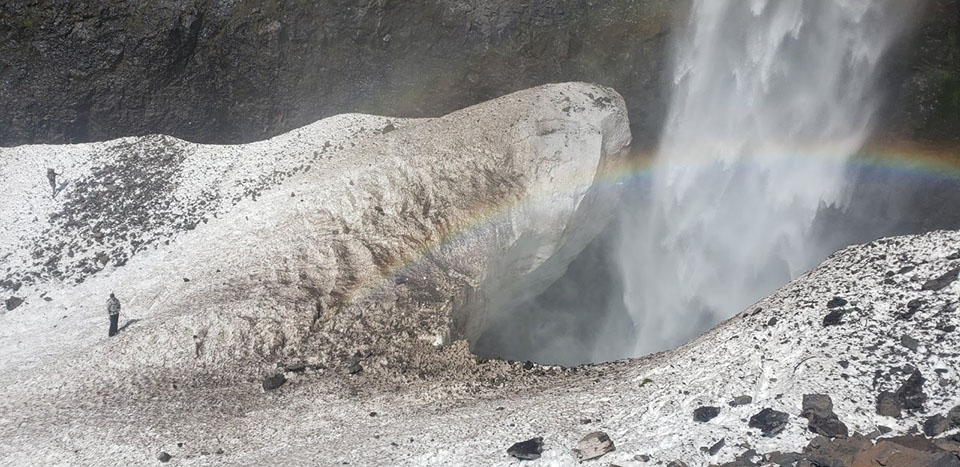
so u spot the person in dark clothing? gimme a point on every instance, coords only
(113, 309)
(52, 177)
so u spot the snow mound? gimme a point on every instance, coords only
(357, 234)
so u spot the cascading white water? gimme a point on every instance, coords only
(770, 99)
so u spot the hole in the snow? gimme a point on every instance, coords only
(582, 318)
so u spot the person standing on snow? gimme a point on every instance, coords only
(52, 177)
(113, 309)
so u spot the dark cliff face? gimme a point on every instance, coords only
(229, 71)
(924, 104)
(237, 71)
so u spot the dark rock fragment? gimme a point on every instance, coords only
(13, 302)
(954, 416)
(941, 282)
(164, 457)
(770, 422)
(353, 365)
(911, 395)
(527, 450)
(716, 447)
(740, 400)
(888, 404)
(909, 342)
(274, 381)
(836, 302)
(935, 425)
(818, 410)
(833, 318)
(705, 413)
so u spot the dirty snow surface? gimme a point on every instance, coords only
(857, 326)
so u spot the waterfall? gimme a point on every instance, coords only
(769, 101)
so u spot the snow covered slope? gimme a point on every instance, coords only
(355, 234)
(874, 327)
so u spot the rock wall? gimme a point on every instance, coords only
(226, 72)
(218, 71)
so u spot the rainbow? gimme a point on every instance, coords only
(888, 161)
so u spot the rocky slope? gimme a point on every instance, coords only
(225, 72)
(861, 350)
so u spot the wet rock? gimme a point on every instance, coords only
(527, 450)
(909, 342)
(164, 457)
(593, 446)
(770, 422)
(818, 410)
(833, 318)
(942, 281)
(888, 404)
(705, 413)
(274, 381)
(935, 425)
(13, 302)
(911, 395)
(740, 400)
(836, 302)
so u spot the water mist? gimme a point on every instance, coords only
(769, 100)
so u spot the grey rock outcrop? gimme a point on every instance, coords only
(231, 72)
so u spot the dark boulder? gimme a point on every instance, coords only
(705, 413)
(935, 425)
(13, 302)
(911, 395)
(164, 457)
(716, 447)
(527, 450)
(833, 318)
(943, 281)
(836, 302)
(740, 400)
(909, 342)
(770, 422)
(888, 404)
(818, 410)
(274, 381)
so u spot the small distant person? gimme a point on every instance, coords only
(52, 176)
(113, 309)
